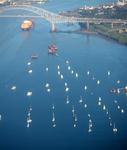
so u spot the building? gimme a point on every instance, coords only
(122, 2)
(4, 2)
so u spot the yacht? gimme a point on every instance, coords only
(34, 56)
(85, 105)
(53, 118)
(67, 100)
(67, 62)
(109, 73)
(53, 107)
(47, 69)
(114, 128)
(29, 63)
(54, 125)
(58, 67)
(30, 71)
(66, 89)
(69, 68)
(13, 88)
(65, 84)
(29, 93)
(88, 73)
(85, 87)
(58, 72)
(61, 76)
(72, 71)
(76, 75)
(48, 90)
(81, 100)
(98, 82)
(47, 85)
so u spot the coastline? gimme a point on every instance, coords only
(97, 33)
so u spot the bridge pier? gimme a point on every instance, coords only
(53, 27)
(87, 25)
(112, 25)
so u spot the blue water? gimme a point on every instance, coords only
(84, 53)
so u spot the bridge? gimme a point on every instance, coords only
(54, 18)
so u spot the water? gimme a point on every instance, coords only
(84, 53)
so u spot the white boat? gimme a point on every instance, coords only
(98, 82)
(48, 90)
(73, 110)
(47, 85)
(53, 107)
(29, 120)
(100, 99)
(122, 111)
(72, 71)
(67, 100)
(58, 72)
(85, 105)
(66, 89)
(30, 71)
(13, 88)
(61, 76)
(67, 62)
(76, 118)
(76, 75)
(109, 73)
(99, 103)
(29, 63)
(28, 125)
(54, 125)
(89, 115)
(74, 125)
(65, 84)
(29, 93)
(114, 128)
(85, 88)
(81, 100)
(118, 81)
(88, 72)
(104, 107)
(89, 130)
(58, 67)
(93, 78)
(69, 68)
(47, 69)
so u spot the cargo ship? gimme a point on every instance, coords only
(26, 25)
(52, 49)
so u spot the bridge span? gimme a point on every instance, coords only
(54, 18)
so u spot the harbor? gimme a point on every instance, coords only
(60, 90)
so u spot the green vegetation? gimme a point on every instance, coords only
(106, 30)
(110, 13)
(118, 32)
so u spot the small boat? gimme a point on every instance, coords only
(113, 90)
(52, 49)
(114, 129)
(13, 88)
(35, 56)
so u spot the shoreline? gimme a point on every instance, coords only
(97, 33)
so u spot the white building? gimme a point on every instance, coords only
(122, 2)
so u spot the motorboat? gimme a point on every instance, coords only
(34, 56)
(52, 49)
